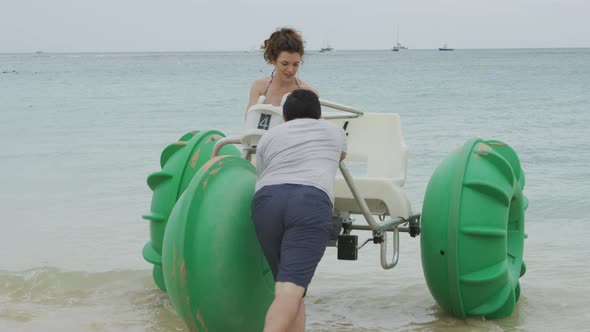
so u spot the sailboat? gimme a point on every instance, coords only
(397, 47)
(328, 48)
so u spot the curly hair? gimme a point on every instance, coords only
(282, 40)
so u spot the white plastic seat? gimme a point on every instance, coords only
(375, 139)
(260, 118)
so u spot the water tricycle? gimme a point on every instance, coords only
(205, 254)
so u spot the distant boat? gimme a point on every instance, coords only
(398, 47)
(445, 48)
(327, 49)
(255, 49)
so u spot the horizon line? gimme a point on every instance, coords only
(310, 50)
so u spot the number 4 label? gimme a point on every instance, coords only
(264, 121)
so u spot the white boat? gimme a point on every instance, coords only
(398, 47)
(445, 48)
(327, 49)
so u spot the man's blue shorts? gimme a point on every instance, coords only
(293, 224)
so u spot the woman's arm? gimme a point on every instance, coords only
(253, 96)
(255, 92)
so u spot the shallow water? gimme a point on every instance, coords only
(81, 132)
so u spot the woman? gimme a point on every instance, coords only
(284, 50)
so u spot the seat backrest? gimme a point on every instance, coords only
(259, 119)
(376, 138)
(263, 116)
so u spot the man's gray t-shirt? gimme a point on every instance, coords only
(300, 151)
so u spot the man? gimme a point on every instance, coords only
(292, 208)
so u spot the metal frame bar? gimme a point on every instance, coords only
(375, 226)
(355, 111)
(247, 154)
(223, 142)
(341, 107)
(390, 229)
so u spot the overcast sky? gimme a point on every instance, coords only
(222, 25)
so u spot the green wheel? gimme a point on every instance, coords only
(215, 272)
(179, 161)
(472, 236)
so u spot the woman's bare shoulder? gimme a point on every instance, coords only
(257, 89)
(261, 83)
(306, 86)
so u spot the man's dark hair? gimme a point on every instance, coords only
(300, 104)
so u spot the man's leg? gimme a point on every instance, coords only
(307, 229)
(299, 324)
(283, 311)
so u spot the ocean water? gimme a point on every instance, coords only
(79, 133)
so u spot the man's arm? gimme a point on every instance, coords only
(260, 165)
(344, 145)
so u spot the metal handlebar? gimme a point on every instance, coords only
(222, 142)
(238, 139)
(355, 111)
(384, 263)
(340, 107)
